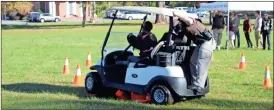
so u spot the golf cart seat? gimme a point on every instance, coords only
(133, 58)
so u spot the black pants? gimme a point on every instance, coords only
(266, 35)
(247, 37)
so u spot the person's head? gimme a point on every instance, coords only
(257, 13)
(147, 26)
(231, 15)
(236, 15)
(219, 12)
(245, 16)
(266, 16)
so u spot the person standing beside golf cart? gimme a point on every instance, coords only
(200, 59)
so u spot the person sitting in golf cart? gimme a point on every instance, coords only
(145, 42)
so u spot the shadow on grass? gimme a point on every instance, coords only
(45, 88)
(88, 104)
(104, 104)
(63, 26)
(248, 104)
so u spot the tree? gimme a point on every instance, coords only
(17, 10)
(84, 5)
(159, 18)
(93, 10)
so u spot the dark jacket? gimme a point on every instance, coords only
(266, 25)
(146, 41)
(218, 22)
(247, 26)
(230, 26)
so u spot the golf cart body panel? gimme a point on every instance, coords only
(141, 76)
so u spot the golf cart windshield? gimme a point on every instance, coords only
(118, 41)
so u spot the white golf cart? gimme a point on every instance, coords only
(166, 79)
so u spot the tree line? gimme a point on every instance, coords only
(18, 10)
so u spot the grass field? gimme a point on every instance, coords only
(33, 59)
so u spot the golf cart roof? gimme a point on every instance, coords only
(147, 10)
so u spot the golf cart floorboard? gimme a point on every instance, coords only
(127, 87)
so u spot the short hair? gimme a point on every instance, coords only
(257, 11)
(148, 26)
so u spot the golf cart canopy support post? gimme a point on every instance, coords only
(106, 39)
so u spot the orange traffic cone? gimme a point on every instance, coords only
(88, 61)
(267, 80)
(122, 95)
(242, 62)
(78, 78)
(66, 67)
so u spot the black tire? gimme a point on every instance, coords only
(130, 18)
(93, 83)
(166, 97)
(57, 20)
(42, 20)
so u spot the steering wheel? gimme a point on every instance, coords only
(132, 42)
(156, 49)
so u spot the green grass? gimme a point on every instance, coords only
(33, 59)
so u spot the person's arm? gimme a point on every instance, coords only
(271, 25)
(262, 26)
(238, 22)
(214, 13)
(224, 23)
(244, 25)
(249, 26)
(183, 16)
(260, 23)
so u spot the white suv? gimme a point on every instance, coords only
(48, 17)
(133, 15)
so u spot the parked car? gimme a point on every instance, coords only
(181, 8)
(133, 15)
(48, 17)
(33, 16)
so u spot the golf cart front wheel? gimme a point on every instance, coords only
(92, 83)
(161, 95)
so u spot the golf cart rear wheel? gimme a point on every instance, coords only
(42, 20)
(130, 18)
(161, 95)
(92, 83)
(57, 20)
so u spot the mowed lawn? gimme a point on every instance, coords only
(33, 59)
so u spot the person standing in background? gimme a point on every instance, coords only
(218, 27)
(236, 23)
(247, 29)
(257, 28)
(266, 30)
(231, 35)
